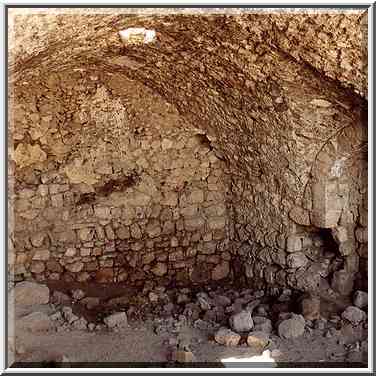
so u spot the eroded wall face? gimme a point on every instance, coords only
(109, 185)
(120, 187)
(311, 233)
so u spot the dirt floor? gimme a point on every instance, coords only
(139, 344)
(150, 339)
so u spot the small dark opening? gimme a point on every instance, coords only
(330, 245)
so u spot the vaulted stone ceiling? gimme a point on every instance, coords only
(223, 71)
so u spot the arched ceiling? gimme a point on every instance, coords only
(333, 42)
(262, 85)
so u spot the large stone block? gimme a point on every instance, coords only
(300, 216)
(221, 271)
(102, 212)
(36, 322)
(136, 232)
(86, 234)
(153, 229)
(327, 204)
(340, 234)
(227, 337)
(160, 269)
(30, 293)
(296, 260)
(196, 197)
(361, 234)
(294, 243)
(343, 282)
(347, 248)
(216, 223)
(37, 267)
(170, 199)
(37, 239)
(104, 275)
(123, 232)
(352, 263)
(109, 232)
(138, 199)
(189, 211)
(75, 267)
(41, 255)
(194, 223)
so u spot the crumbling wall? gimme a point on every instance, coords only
(109, 186)
(278, 98)
(323, 232)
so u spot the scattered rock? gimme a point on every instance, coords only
(360, 299)
(328, 334)
(204, 301)
(60, 298)
(262, 310)
(56, 316)
(292, 327)
(168, 308)
(296, 260)
(182, 298)
(153, 297)
(262, 324)
(311, 308)
(160, 269)
(354, 357)
(90, 302)
(30, 293)
(78, 294)
(119, 301)
(241, 322)
(181, 356)
(258, 340)
(192, 311)
(221, 271)
(80, 324)
(227, 337)
(320, 324)
(99, 327)
(285, 296)
(36, 322)
(354, 315)
(342, 282)
(202, 325)
(276, 353)
(173, 342)
(252, 305)
(222, 300)
(68, 315)
(210, 315)
(118, 319)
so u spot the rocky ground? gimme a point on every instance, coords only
(85, 326)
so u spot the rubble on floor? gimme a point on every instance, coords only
(231, 318)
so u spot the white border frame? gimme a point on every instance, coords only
(238, 3)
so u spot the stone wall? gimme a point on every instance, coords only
(227, 146)
(311, 234)
(109, 186)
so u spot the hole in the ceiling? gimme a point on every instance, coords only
(137, 35)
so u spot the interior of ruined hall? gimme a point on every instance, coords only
(168, 158)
